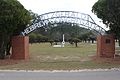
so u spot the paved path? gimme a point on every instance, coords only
(83, 75)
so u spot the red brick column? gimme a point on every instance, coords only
(20, 47)
(105, 46)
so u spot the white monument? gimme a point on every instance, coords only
(63, 42)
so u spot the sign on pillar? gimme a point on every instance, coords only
(105, 46)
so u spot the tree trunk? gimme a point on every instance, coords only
(8, 47)
(2, 49)
(51, 43)
(76, 44)
(119, 42)
(92, 41)
(4, 41)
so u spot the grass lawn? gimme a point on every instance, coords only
(45, 57)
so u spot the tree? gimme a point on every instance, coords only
(76, 40)
(51, 42)
(33, 38)
(13, 19)
(69, 29)
(109, 12)
(33, 15)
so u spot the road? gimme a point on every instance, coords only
(84, 75)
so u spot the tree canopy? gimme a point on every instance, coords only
(109, 12)
(13, 19)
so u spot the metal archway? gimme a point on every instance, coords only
(82, 19)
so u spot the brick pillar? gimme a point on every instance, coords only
(105, 46)
(20, 48)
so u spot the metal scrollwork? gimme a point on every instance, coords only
(82, 19)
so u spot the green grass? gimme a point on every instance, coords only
(45, 57)
(47, 53)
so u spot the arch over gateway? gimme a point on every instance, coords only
(105, 44)
(84, 20)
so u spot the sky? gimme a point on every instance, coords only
(45, 6)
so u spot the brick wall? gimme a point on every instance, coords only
(105, 46)
(20, 47)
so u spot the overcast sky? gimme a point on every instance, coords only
(44, 6)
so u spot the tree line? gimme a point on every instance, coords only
(54, 33)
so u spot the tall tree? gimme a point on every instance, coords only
(13, 19)
(109, 12)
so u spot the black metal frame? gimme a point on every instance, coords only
(82, 19)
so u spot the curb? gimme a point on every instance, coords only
(82, 70)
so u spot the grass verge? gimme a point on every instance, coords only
(45, 57)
